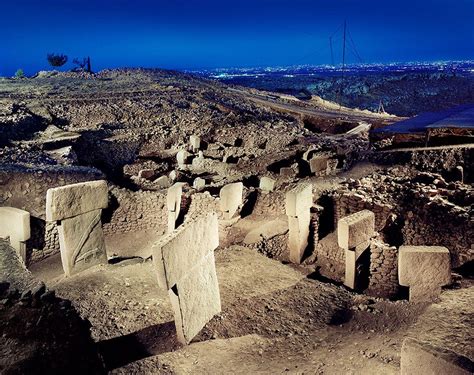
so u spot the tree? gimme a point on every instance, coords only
(56, 60)
(84, 64)
(19, 74)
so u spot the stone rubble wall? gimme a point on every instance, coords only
(440, 223)
(383, 279)
(134, 211)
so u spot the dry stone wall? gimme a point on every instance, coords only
(383, 278)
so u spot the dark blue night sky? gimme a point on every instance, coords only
(205, 34)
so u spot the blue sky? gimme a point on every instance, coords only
(193, 34)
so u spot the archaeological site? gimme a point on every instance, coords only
(155, 222)
(237, 187)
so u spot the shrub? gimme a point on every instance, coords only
(56, 60)
(83, 65)
(19, 74)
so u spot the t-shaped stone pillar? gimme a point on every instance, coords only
(195, 143)
(425, 269)
(353, 235)
(15, 224)
(230, 199)
(77, 208)
(298, 203)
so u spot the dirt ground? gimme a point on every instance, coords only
(274, 319)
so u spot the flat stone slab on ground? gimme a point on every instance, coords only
(266, 231)
(72, 200)
(356, 230)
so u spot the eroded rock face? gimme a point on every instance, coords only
(425, 269)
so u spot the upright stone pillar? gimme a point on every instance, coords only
(298, 203)
(77, 208)
(425, 269)
(353, 235)
(15, 224)
(173, 203)
(230, 199)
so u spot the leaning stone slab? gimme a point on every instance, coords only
(230, 199)
(72, 200)
(15, 224)
(176, 253)
(319, 164)
(82, 242)
(195, 299)
(184, 260)
(425, 269)
(421, 358)
(356, 230)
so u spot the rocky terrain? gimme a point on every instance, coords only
(132, 127)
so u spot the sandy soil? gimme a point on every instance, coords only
(274, 320)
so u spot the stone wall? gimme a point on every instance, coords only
(130, 211)
(383, 278)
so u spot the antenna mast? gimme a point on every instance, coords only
(343, 64)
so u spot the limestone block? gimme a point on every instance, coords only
(199, 183)
(350, 271)
(163, 182)
(195, 299)
(318, 164)
(81, 241)
(424, 359)
(299, 199)
(266, 231)
(298, 235)
(72, 200)
(178, 252)
(230, 199)
(173, 203)
(356, 230)
(15, 224)
(267, 184)
(182, 157)
(425, 269)
(195, 142)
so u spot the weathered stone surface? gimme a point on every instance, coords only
(287, 172)
(267, 184)
(266, 231)
(195, 142)
(76, 199)
(230, 199)
(425, 269)
(195, 299)
(298, 235)
(424, 359)
(173, 203)
(318, 164)
(163, 182)
(350, 271)
(182, 157)
(15, 224)
(199, 183)
(81, 242)
(356, 230)
(146, 173)
(299, 199)
(175, 254)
